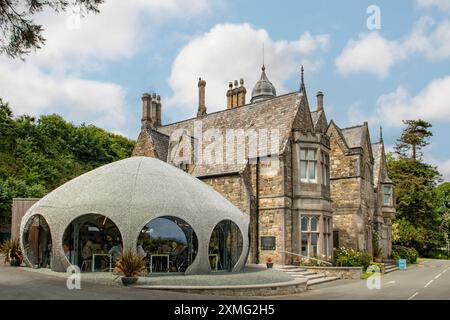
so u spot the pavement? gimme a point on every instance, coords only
(429, 279)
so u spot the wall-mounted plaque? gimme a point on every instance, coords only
(268, 243)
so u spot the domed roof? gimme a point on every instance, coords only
(263, 89)
(134, 185)
(132, 192)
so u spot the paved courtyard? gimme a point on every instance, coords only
(428, 280)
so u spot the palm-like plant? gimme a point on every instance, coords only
(12, 252)
(130, 264)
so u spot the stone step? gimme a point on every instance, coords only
(315, 276)
(390, 269)
(299, 271)
(301, 275)
(321, 280)
(287, 268)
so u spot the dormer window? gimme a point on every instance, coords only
(387, 195)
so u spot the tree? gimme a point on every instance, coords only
(414, 188)
(39, 155)
(414, 137)
(421, 220)
(20, 34)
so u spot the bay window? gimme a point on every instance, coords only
(325, 162)
(310, 235)
(308, 165)
(387, 195)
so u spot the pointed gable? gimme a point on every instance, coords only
(380, 172)
(303, 120)
(151, 143)
(319, 120)
(335, 132)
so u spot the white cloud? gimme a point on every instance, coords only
(374, 54)
(52, 79)
(116, 32)
(432, 103)
(442, 165)
(441, 4)
(232, 51)
(30, 91)
(370, 53)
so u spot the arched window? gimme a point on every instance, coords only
(93, 242)
(310, 235)
(225, 246)
(37, 242)
(169, 244)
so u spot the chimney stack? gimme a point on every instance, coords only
(146, 120)
(319, 101)
(151, 111)
(236, 95)
(230, 96)
(241, 93)
(201, 98)
(158, 111)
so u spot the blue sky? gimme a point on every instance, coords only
(94, 70)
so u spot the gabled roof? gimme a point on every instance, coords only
(319, 120)
(380, 166)
(332, 126)
(278, 113)
(354, 136)
(161, 142)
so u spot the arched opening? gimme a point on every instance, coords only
(225, 246)
(92, 242)
(37, 242)
(168, 244)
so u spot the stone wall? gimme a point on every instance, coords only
(341, 272)
(232, 188)
(144, 146)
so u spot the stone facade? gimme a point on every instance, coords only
(287, 192)
(358, 177)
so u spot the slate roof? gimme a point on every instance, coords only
(315, 117)
(354, 136)
(377, 152)
(161, 142)
(276, 113)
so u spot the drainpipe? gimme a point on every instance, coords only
(257, 209)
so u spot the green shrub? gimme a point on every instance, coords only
(349, 257)
(436, 254)
(409, 254)
(12, 252)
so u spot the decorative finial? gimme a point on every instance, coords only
(381, 134)
(302, 75)
(263, 67)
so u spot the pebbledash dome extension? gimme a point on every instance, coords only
(177, 222)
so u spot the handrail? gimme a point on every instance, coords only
(306, 257)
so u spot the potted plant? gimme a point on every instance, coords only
(297, 261)
(130, 265)
(269, 262)
(12, 252)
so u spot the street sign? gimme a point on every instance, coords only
(402, 264)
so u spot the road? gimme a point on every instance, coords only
(428, 280)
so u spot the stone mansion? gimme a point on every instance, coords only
(313, 188)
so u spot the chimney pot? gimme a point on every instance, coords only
(201, 98)
(319, 101)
